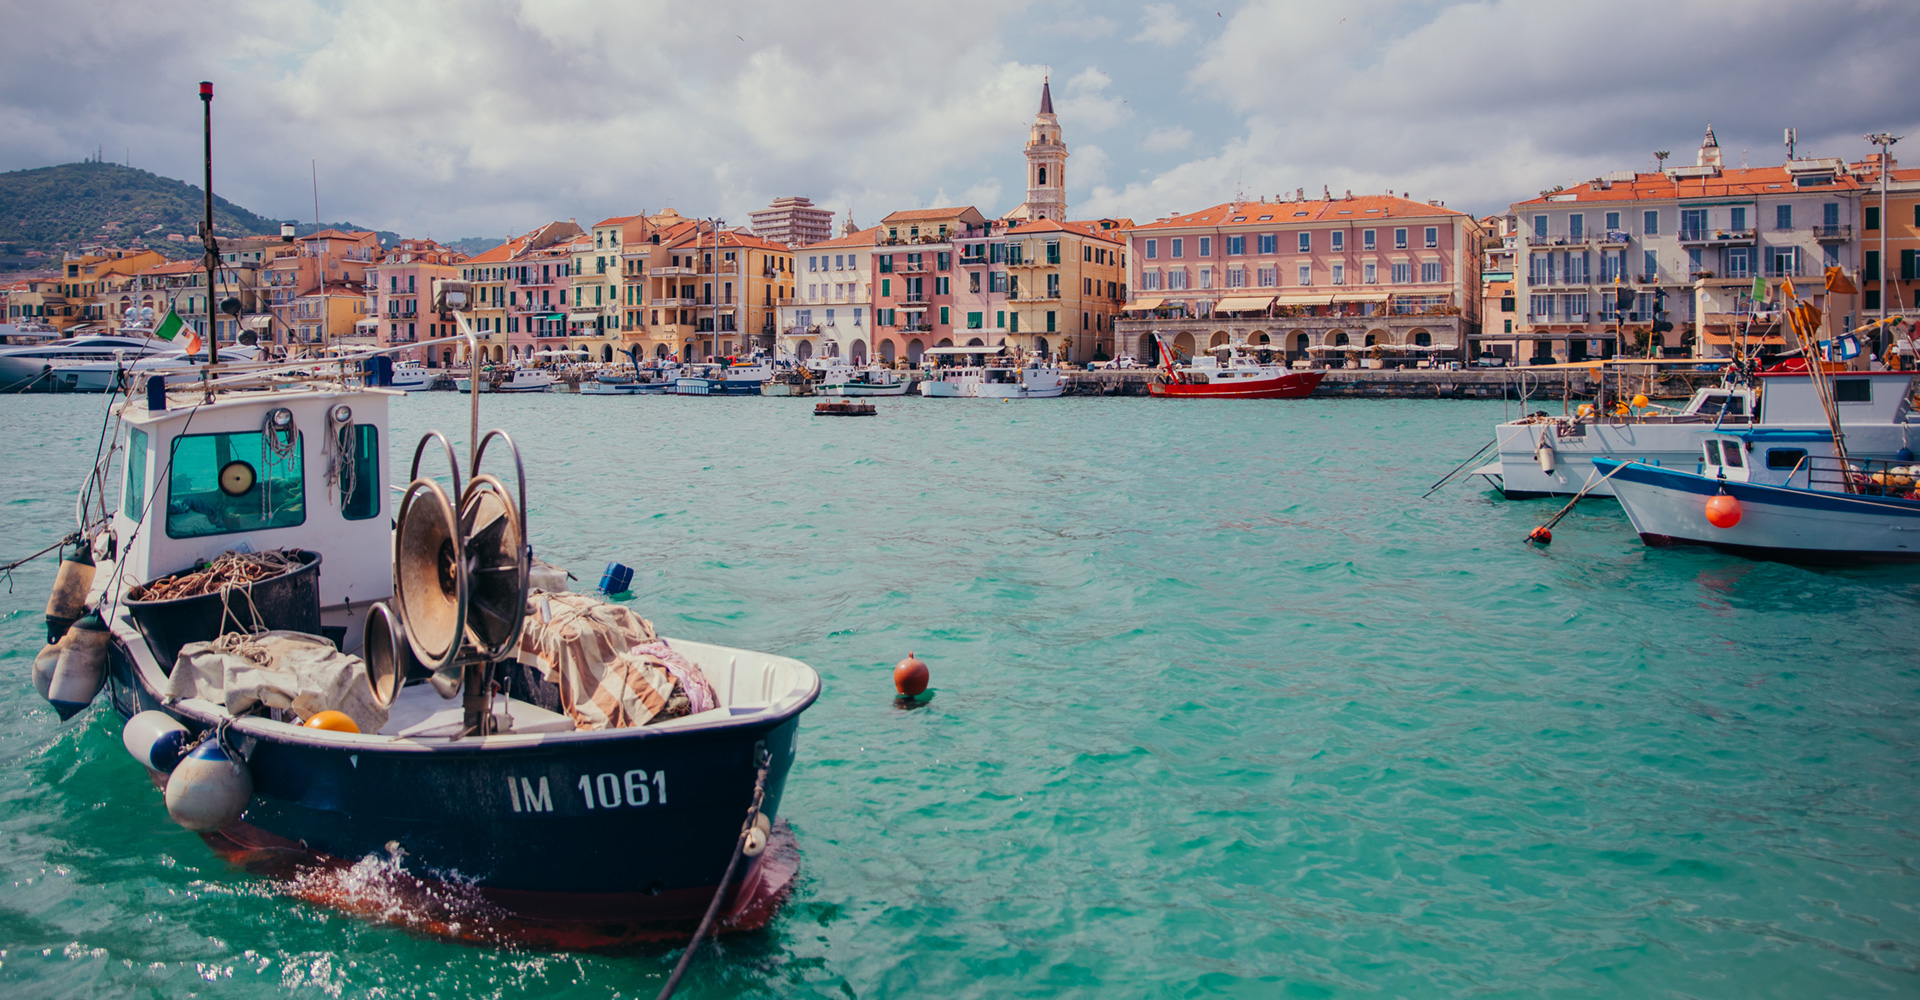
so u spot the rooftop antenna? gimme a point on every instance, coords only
(1792, 139)
(316, 192)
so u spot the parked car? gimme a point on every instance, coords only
(1489, 360)
(1120, 363)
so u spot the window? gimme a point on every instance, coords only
(1870, 266)
(1433, 236)
(1206, 277)
(1650, 223)
(997, 281)
(1783, 216)
(1403, 274)
(1206, 246)
(1270, 276)
(1852, 390)
(1366, 239)
(1650, 267)
(1693, 223)
(943, 316)
(1150, 280)
(1539, 230)
(134, 497)
(1430, 272)
(1370, 274)
(1873, 218)
(1399, 239)
(1236, 246)
(207, 471)
(1053, 251)
(1178, 247)
(1269, 243)
(1177, 279)
(1737, 218)
(973, 281)
(1000, 320)
(1541, 305)
(1153, 249)
(1339, 239)
(1236, 277)
(1613, 221)
(1049, 321)
(1785, 458)
(1306, 274)
(886, 286)
(944, 260)
(360, 488)
(1576, 227)
(1339, 272)
(1306, 242)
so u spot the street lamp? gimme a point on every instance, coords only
(1884, 140)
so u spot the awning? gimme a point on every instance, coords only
(1143, 304)
(1243, 303)
(1360, 297)
(1751, 338)
(1305, 298)
(579, 317)
(965, 350)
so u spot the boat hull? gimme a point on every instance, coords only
(857, 389)
(1294, 385)
(1668, 507)
(715, 387)
(940, 389)
(544, 829)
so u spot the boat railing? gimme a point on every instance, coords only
(1865, 477)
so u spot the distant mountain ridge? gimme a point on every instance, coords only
(45, 211)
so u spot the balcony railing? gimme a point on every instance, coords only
(672, 271)
(1716, 235)
(1832, 232)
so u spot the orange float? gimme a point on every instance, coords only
(910, 676)
(339, 722)
(1723, 511)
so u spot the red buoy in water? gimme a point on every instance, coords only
(910, 676)
(1541, 535)
(1723, 511)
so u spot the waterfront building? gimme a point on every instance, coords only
(84, 280)
(326, 316)
(831, 313)
(38, 301)
(912, 279)
(1046, 165)
(1041, 285)
(1367, 278)
(513, 291)
(1900, 225)
(1499, 314)
(400, 300)
(717, 292)
(299, 286)
(637, 254)
(1686, 243)
(793, 221)
(595, 317)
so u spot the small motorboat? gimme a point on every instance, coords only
(843, 408)
(412, 376)
(873, 380)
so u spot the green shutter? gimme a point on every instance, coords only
(1871, 269)
(1049, 321)
(886, 286)
(1906, 265)
(1873, 217)
(944, 321)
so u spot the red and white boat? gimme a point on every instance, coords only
(1236, 376)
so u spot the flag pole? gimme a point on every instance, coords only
(206, 231)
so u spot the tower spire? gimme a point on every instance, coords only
(1046, 96)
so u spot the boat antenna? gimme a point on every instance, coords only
(206, 226)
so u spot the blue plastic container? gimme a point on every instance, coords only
(617, 579)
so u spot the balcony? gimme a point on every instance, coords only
(1716, 237)
(1832, 234)
(673, 271)
(903, 266)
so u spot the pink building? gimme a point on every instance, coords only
(1354, 278)
(400, 297)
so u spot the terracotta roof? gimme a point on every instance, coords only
(175, 267)
(337, 234)
(862, 238)
(504, 252)
(919, 214)
(1359, 208)
(1737, 182)
(1079, 228)
(615, 221)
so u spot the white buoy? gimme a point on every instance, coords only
(757, 836)
(1544, 455)
(157, 740)
(208, 790)
(81, 669)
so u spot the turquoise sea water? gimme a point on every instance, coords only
(1223, 708)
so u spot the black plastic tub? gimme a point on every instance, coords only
(290, 601)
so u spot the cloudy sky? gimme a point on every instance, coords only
(484, 117)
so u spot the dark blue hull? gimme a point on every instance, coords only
(637, 827)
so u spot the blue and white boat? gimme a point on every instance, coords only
(740, 378)
(1770, 494)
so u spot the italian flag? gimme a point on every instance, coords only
(173, 326)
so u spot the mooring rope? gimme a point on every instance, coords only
(713, 908)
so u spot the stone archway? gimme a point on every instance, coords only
(499, 356)
(1335, 338)
(606, 352)
(887, 350)
(1148, 348)
(1183, 344)
(915, 350)
(1219, 339)
(1420, 338)
(1040, 345)
(805, 350)
(975, 342)
(858, 352)
(945, 342)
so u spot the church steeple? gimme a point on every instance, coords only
(1046, 165)
(1709, 151)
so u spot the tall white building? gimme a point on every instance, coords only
(793, 221)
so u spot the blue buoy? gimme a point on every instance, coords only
(156, 740)
(617, 579)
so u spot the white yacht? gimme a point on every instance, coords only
(412, 376)
(1542, 455)
(22, 368)
(1033, 380)
(518, 379)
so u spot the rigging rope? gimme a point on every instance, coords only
(706, 922)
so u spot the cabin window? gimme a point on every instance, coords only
(1852, 390)
(360, 487)
(1785, 458)
(218, 484)
(1713, 453)
(134, 497)
(1730, 454)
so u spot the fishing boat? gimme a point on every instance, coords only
(1034, 379)
(730, 379)
(1547, 455)
(516, 378)
(412, 376)
(1235, 374)
(473, 771)
(1779, 495)
(873, 380)
(993, 377)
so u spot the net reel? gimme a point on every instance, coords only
(460, 575)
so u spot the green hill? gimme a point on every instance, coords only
(52, 209)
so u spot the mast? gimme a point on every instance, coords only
(206, 230)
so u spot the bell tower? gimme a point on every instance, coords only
(1046, 165)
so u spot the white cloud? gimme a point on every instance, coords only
(1086, 103)
(1161, 24)
(1167, 138)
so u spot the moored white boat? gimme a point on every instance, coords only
(873, 380)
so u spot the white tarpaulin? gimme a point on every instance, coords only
(299, 673)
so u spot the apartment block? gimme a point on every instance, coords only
(793, 221)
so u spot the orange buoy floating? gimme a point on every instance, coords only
(910, 676)
(339, 722)
(1540, 535)
(1723, 511)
